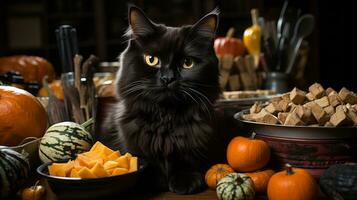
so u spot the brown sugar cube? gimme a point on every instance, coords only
(318, 112)
(330, 110)
(286, 96)
(352, 115)
(334, 99)
(273, 108)
(351, 107)
(329, 90)
(282, 117)
(317, 90)
(354, 107)
(257, 107)
(291, 107)
(309, 104)
(328, 123)
(348, 106)
(248, 117)
(297, 96)
(265, 117)
(283, 105)
(293, 120)
(276, 99)
(305, 114)
(341, 108)
(323, 102)
(310, 97)
(347, 96)
(340, 117)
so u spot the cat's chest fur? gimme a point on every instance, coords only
(157, 132)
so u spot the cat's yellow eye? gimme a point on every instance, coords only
(152, 61)
(188, 63)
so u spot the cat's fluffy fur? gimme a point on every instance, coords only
(165, 114)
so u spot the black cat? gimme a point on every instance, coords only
(167, 84)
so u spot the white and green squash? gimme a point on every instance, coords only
(64, 140)
(235, 186)
(14, 170)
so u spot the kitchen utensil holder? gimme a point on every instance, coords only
(277, 81)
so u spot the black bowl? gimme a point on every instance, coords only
(298, 132)
(314, 148)
(94, 188)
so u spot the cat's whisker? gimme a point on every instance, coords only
(201, 94)
(190, 84)
(132, 84)
(203, 105)
(188, 94)
(131, 90)
(204, 101)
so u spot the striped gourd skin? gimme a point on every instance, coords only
(229, 189)
(63, 141)
(14, 169)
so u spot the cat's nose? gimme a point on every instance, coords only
(166, 79)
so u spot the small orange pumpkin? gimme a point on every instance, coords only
(261, 180)
(56, 87)
(229, 45)
(247, 154)
(292, 184)
(216, 173)
(34, 192)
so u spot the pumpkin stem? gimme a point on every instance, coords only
(88, 123)
(36, 184)
(254, 14)
(252, 137)
(45, 84)
(239, 180)
(289, 169)
(230, 32)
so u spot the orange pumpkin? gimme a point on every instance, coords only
(261, 179)
(216, 173)
(35, 192)
(56, 87)
(247, 154)
(229, 45)
(292, 184)
(32, 68)
(21, 116)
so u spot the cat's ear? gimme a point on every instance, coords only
(207, 25)
(140, 25)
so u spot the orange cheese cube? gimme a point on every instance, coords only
(119, 171)
(85, 173)
(133, 166)
(113, 156)
(110, 165)
(99, 171)
(60, 169)
(74, 173)
(123, 162)
(99, 148)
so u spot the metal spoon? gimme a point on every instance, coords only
(304, 26)
(280, 23)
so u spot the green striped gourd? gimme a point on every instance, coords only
(14, 169)
(64, 140)
(235, 186)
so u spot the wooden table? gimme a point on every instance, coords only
(205, 195)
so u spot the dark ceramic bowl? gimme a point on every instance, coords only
(95, 188)
(309, 147)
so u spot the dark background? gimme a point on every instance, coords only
(101, 23)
